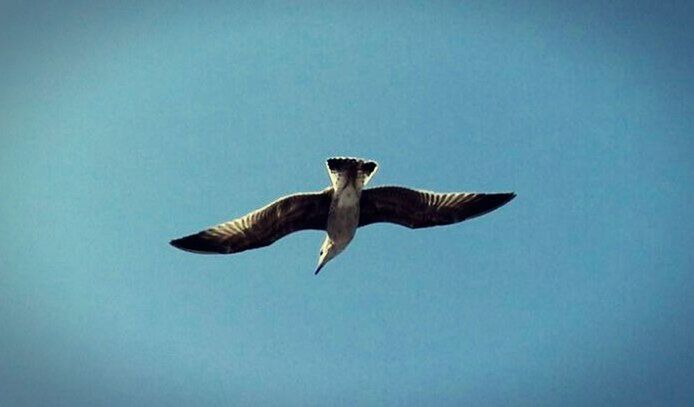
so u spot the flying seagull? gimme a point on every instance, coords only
(339, 210)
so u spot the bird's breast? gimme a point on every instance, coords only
(348, 198)
(344, 215)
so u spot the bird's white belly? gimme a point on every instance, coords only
(344, 217)
(348, 198)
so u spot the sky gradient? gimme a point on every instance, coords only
(124, 126)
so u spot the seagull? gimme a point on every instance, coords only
(339, 210)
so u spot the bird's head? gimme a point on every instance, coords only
(327, 251)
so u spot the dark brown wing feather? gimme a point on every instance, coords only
(420, 209)
(262, 227)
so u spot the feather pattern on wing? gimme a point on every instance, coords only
(420, 209)
(262, 227)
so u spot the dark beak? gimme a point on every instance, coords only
(318, 269)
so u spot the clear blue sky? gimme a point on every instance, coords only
(124, 126)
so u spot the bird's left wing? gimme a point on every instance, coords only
(419, 209)
(262, 227)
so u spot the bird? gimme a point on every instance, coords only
(339, 210)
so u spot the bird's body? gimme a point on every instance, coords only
(348, 179)
(343, 217)
(339, 210)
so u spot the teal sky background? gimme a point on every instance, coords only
(125, 125)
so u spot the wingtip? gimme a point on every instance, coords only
(496, 200)
(507, 197)
(501, 198)
(195, 244)
(179, 244)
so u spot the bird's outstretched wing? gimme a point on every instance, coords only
(262, 227)
(420, 209)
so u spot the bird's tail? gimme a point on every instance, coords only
(344, 168)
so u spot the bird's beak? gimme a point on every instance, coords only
(320, 266)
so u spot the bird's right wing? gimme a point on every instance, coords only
(262, 227)
(420, 209)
